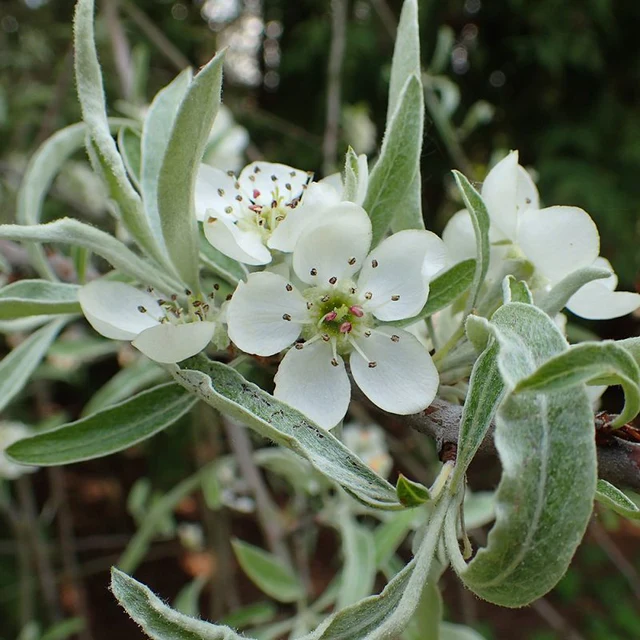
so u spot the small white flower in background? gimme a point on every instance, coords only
(11, 432)
(227, 142)
(369, 444)
(338, 313)
(359, 129)
(160, 328)
(556, 240)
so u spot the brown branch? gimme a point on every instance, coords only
(618, 455)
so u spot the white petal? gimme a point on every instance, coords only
(112, 309)
(257, 180)
(404, 264)
(404, 380)
(363, 178)
(256, 314)
(217, 191)
(326, 249)
(459, 237)
(317, 199)
(308, 381)
(244, 246)
(333, 182)
(558, 240)
(526, 191)
(174, 342)
(499, 193)
(597, 301)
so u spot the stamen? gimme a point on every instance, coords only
(298, 345)
(395, 338)
(368, 295)
(354, 344)
(257, 169)
(274, 178)
(292, 174)
(228, 209)
(287, 186)
(346, 327)
(352, 290)
(334, 360)
(188, 292)
(211, 219)
(374, 263)
(352, 261)
(231, 174)
(373, 364)
(216, 286)
(314, 271)
(141, 309)
(330, 317)
(395, 298)
(239, 198)
(309, 305)
(333, 280)
(356, 311)
(326, 337)
(221, 192)
(288, 287)
(252, 178)
(325, 298)
(286, 316)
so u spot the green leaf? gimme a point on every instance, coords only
(176, 182)
(481, 222)
(556, 300)
(94, 114)
(359, 566)
(252, 614)
(37, 297)
(631, 346)
(444, 290)
(388, 536)
(107, 431)
(157, 620)
(65, 629)
(514, 290)
(351, 172)
(268, 572)
(74, 232)
(584, 362)
(547, 450)
(226, 390)
(616, 500)
(410, 493)
(393, 173)
(450, 631)
(485, 393)
(129, 147)
(156, 131)
(425, 623)
(17, 367)
(186, 601)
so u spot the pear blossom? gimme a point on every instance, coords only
(11, 432)
(556, 240)
(159, 328)
(345, 294)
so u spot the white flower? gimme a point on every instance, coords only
(11, 432)
(338, 314)
(556, 240)
(369, 444)
(227, 142)
(161, 329)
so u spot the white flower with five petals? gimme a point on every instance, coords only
(345, 294)
(556, 240)
(160, 328)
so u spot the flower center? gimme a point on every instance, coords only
(198, 308)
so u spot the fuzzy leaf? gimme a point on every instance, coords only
(514, 290)
(129, 148)
(410, 493)
(268, 572)
(584, 362)
(177, 178)
(556, 300)
(226, 390)
(359, 566)
(37, 297)
(399, 160)
(616, 500)
(110, 430)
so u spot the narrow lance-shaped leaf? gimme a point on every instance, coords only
(107, 431)
(514, 290)
(399, 159)
(350, 175)
(16, 367)
(587, 361)
(547, 450)
(616, 500)
(480, 220)
(410, 493)
(156, 131)
(129, 147)
(94, 114)
(38, 297)
(225, 389)
(556, 300)
(74, 232)
(268, 572)
(177, 179)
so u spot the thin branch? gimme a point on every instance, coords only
(387, 17)
(334, 84)
(120, 46)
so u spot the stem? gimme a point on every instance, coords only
(334, 89)
(120, 46)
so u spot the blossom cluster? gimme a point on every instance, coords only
(324, 302)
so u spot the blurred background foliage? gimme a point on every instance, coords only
(557, 80)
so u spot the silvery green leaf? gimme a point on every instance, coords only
(483, 397)
(480, 220)
(186, 601)
(479, 508)
(359, 560)
(94, 114)
(296, 470)
(268, 572)
(19, 364)
(450, 631)
(65, 629)
(226, 390)
(410, 493)
(409, 211)
(156, 131)
(556, 300)
(157, 620)
(74, 232)
(442, 54)
(182, 157)
(616, 500)
(110, 430)
(547, 450)
(37, 297)
(387, 537)
(252, 614)
(584, 362)
(478, 331)
(425, 623)
(444, 290)
(44, 165)
(514, 290)
(393, 173)
(129, 148)
(350, 179)
(129, 380)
